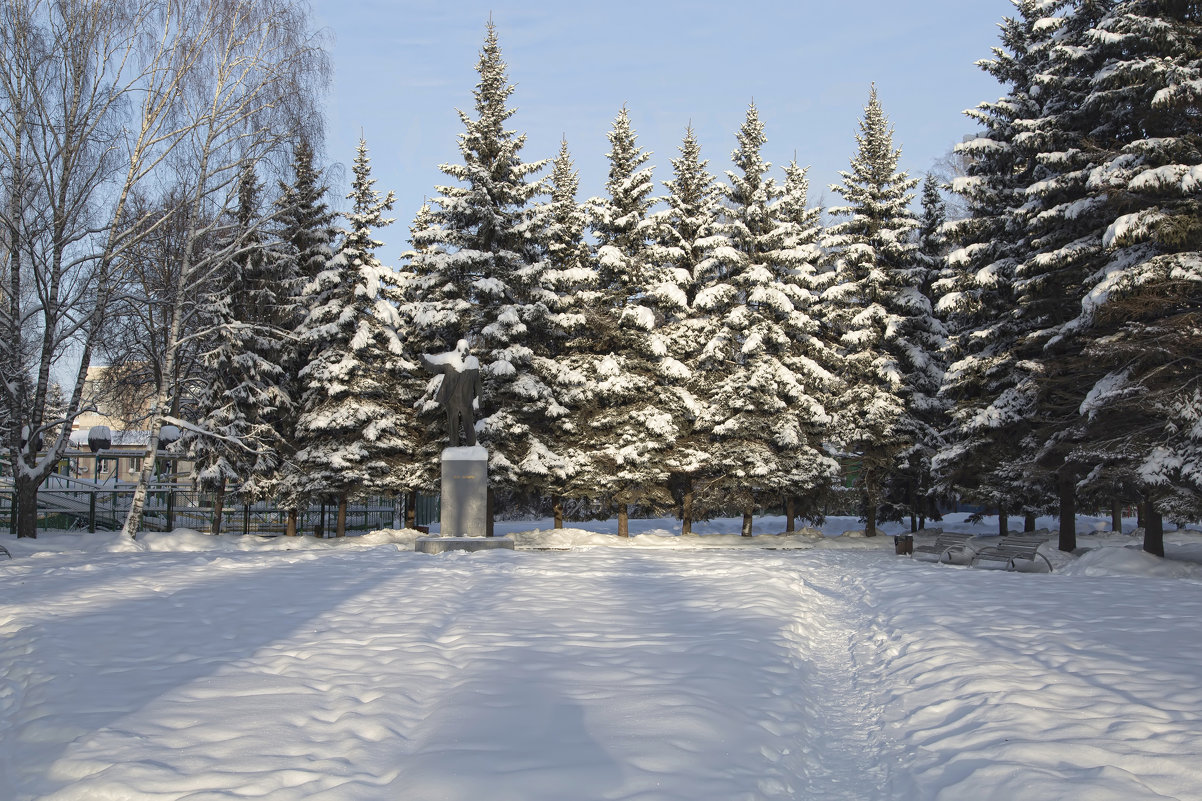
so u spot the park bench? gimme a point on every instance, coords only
(1011, 550)
(946, 545)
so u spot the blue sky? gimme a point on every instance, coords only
(402, 68)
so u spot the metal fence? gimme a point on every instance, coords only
(79, 504)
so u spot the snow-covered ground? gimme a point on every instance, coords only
(184, 666)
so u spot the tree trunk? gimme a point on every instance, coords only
(341, 529)
(1003, 521)
(218, 508)
(686, 509)
(291, 525)
(1140, 518)
(623, 521)
(27, 506)
(911, 501)
(133, 520)
(1116, 514)
(411, 509)
(790, 514)
(1029, 522)
(1068, 511)
(557, 510)
(1153, 530)
(747, 521)
(869, 519)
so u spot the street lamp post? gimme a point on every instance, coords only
(100, 438)
(169, 435)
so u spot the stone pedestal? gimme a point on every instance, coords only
(464, 492)
(464, 504)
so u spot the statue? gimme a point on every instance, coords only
(460, 388)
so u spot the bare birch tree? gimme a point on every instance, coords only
(100, 99)
(88, 87)
(245, 109)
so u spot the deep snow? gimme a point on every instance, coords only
(185, 666)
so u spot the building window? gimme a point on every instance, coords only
(135, 464)
(105, 466)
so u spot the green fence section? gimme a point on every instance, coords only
(74, 504)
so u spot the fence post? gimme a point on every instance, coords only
(171, 507)
(92, 511)
(245, 519)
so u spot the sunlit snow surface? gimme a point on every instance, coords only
(192, 667)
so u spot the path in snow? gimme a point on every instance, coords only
(373, 674)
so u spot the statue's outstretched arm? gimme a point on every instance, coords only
(433, 367)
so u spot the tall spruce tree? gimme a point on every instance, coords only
(799, 256)
(629, 427)
(877, 311)
(991, 392)
(1136, 378)
(415, 399)
(477, 266)
(236, 440)
(304, 244)
(686, 235)
(761, 418)
(1064, 217)
(572, 293)
(349, 425)
(913, 486)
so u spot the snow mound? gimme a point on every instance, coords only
(1130, 561)
(57, 542)
(390, 536)
(184, 540)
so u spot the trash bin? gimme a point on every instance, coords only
(903, 544)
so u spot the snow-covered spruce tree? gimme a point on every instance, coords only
(912, 488)
(1139, 323)
(349, 426)
(478, 267)
(415, 397)
(572, 292)
(884, 325)
(812, 358)
(1065, 218)
(991, 392)
(235, 441)
(304, 244)
(686, 234)
(760, 416)
(630, 426)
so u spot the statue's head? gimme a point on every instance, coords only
(461, 348)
